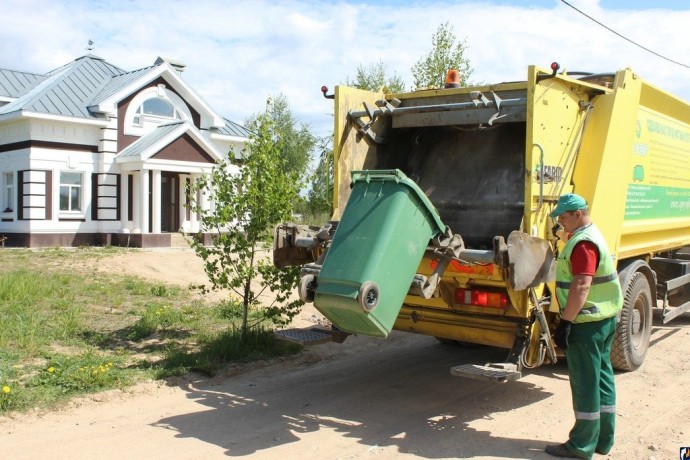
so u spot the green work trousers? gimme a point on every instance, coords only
(593, 387)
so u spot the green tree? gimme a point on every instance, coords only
(296, 140)
(246, 203)
(321, 192)
(375, 78)
(447, 53)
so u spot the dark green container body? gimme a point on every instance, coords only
(378, 245)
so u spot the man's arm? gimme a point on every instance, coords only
(579, 290)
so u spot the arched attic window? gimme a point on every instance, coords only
(152, 107)
(155, 111)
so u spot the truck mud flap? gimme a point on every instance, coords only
(311, 336)
(497, 372)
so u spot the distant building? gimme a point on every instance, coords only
(91, 154)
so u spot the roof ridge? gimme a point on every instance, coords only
(129, 72)
(91, 57)
(106, 90)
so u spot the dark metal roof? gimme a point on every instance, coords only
(13, 83)
(67, 90)
(117, 83)
(233, 129)
(142, 144)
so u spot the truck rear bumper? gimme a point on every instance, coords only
(493, 331)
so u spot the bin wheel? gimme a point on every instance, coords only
(307, 288)
(368, 296)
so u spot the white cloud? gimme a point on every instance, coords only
(237, 53)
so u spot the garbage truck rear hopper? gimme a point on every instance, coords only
(484, 167)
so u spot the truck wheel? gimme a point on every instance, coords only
(633, 331)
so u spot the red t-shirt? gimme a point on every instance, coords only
(584, 259)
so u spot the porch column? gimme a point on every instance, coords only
(144, 201)
(203, 202)
(136, 201)
(193, 223)
(124, 202)
(182, 205)
(156, 202)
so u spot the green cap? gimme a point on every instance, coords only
(568, 202)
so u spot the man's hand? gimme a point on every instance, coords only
(560, 335)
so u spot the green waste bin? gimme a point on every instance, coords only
(378, 245)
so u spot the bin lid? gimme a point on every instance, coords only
(395, 175)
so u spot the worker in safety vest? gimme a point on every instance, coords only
(590, 298)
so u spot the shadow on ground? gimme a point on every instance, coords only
(398, 392)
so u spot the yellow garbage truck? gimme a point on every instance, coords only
(441, 219)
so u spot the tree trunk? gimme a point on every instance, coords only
(246, 302)
(245, 312)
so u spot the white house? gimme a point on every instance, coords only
(91, 154)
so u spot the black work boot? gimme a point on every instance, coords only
(559, 450)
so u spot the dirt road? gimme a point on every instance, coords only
(365, 398)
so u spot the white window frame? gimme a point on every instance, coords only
(150, 122)
(80, 187)
(9, 199)
(146, 120)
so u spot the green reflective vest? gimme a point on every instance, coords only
(605, 298)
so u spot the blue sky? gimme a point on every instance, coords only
(239, 53)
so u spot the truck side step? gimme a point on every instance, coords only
(498, 372)
(670, 313)
(310, 336)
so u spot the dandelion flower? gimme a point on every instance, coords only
(51, 369)
(7, 390)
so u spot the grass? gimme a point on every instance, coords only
(66, 331)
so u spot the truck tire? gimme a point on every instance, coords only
(635, 326)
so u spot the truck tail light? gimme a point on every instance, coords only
(479, 298)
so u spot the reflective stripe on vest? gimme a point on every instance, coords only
(605, 298)
(596, 280)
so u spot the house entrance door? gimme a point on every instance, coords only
(170, 199)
